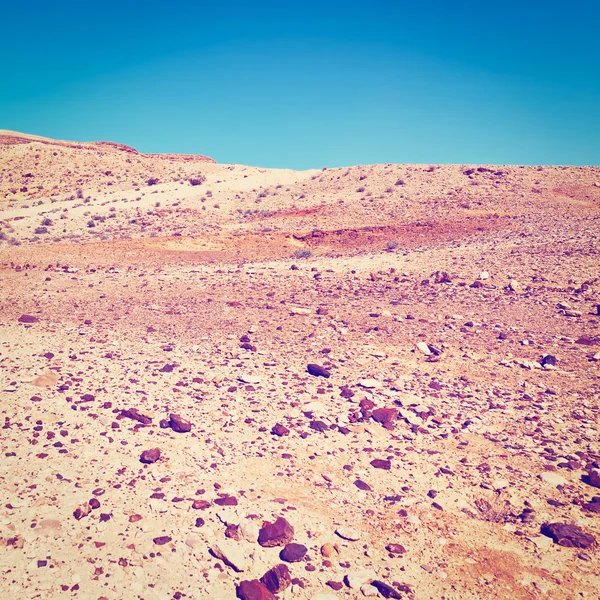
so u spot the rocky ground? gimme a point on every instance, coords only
(222, 381)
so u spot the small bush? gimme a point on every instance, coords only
(360, 190)
(47, 222)
(399, 182)
(197, 180)
(40, 230)
(91, 223)
(391, 245)
(302, 253)
(152, 181)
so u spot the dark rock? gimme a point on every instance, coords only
(280, 430)
(227, 501)
(387, 591)
(293, 552)
(150, 456)
(200, 505)
(549, 360)
(346, 392)
(318, 371)
(278, 533)
(28, 319)
(253, 590)
(379, 463)
(395, 548)
(361, 485)
(319, 426)
(162, 540)
(277, 579)
(132, 413)
(335, 585)
(586, 340)
(567, 535)
(385, 416)
(178, 424)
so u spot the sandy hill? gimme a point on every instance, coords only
(225, 381)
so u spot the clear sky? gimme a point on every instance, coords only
(310, 84)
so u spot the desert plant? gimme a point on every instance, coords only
(40, 230)
(391, 244)
(47, 222)
(152, 181)
(302, 253)
(197, 180)
(91, 223)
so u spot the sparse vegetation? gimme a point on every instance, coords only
(302, 253)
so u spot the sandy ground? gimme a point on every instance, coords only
(462, 300)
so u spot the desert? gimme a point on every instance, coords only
(225, 381)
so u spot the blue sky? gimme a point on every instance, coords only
(310, 84)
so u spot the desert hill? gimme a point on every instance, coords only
(228, 381)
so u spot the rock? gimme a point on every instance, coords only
(567, 535)
(150, 456)
(133, 413)
(249, 379)
(28, 319)
(293, 552)
(387, 591)
(369, 591)
(514, 286)
(347, 533)
(231, 554)
(423, 348)
(277, 579)
(278, 533)
(319, 426)
(324, 596)
(249, 530)
(395, 549)
(361, 485)
(296, 310)
(385, 416)
(178, 424)
(553, 478)
(355, 579)
(548, 359)
(328, 550)
(318, 371)
(484, 275)
(162, 540)
(369, 383)
(379, 463)
(594, 477)
(280, 430)
(253, 590)
(82, 510)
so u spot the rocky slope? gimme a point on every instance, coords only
(378, 381)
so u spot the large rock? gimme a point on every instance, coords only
(385, 590)
(385, 416)
(178, 424)
(253, 590)
(278, 533)
(149, 457)
(293, 552)
(277, 579)
(594, 477)
(28, 319)
(318, 371)
(570, 536)
(231, 554)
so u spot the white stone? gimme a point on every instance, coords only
(356, 579)
(423, 348)
(231, 554)
(553, 478)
